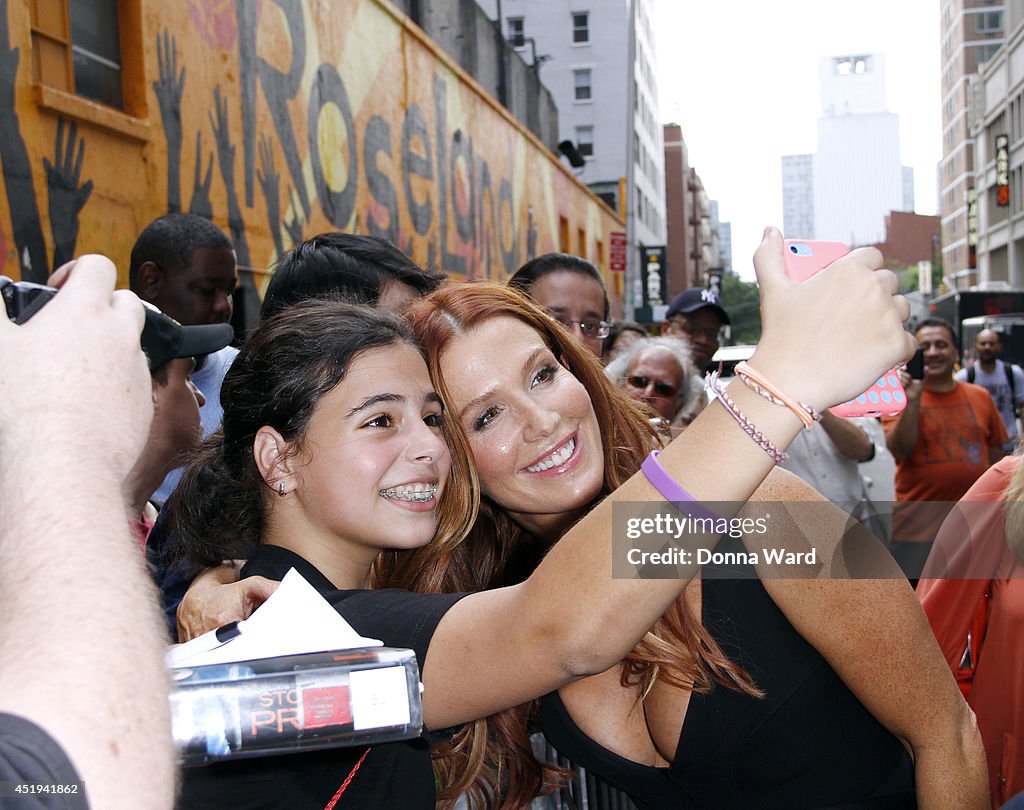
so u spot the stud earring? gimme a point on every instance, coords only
(280, 488)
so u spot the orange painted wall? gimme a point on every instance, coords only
(292, 117)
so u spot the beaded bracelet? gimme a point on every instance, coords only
(713, 386)
(759, 383)
(670, 490)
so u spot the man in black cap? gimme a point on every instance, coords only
(696, 316)
(171, 350)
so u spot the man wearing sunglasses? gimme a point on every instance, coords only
(696, 316)
(658, 371)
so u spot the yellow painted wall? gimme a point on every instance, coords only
(280, 119)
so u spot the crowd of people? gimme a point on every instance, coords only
(445, 462)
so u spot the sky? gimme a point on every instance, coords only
(741, 79)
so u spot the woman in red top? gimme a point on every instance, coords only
(973, 593)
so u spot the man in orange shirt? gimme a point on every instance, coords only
(948, 435)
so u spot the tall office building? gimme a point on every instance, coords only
(597, 58)
(846, 189)
(971, 32)
(858, 178)
(798, 196)
(725, 245)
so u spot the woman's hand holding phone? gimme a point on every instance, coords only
(886, 396)
(847, 318)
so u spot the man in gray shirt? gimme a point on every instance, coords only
(1004, 381)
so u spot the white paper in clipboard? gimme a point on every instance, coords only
(295, 619)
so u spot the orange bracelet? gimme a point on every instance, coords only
(753, 379)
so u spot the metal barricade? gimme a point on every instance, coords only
(585, 791)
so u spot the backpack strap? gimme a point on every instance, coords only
(971, 373)
(1008, 368)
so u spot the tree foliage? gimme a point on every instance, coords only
(742, 300)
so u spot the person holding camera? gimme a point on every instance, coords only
(172, 351)
(948, 435)
(84, 717)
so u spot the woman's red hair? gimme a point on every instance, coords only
(493, 757)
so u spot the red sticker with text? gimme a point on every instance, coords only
(325, 706)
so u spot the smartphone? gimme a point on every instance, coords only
(804, 258)
(915, 366)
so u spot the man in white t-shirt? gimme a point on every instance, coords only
(1004, 381)
(829, 456)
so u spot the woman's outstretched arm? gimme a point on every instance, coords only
(571, 618)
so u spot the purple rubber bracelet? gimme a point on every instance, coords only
(670, 490)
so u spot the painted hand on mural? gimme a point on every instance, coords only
(270, 183)
(226, 157)
(168, 89)
(66, 196)
(293, 226)
(225, 149)
(200, 203)
(26, 229)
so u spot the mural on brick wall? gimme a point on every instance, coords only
(278, 125)
(66, 193)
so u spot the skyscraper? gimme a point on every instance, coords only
(855, 178)
(798, 196)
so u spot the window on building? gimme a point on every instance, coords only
(581, 83)
(985, 52)
(76, 47)
(989, 22)
(844, 66)
(516, 31)
(585, 141)
(581, 26)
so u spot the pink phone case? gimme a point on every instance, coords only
(804, 258)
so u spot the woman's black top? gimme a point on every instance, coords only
(808, 743)
(395, 774)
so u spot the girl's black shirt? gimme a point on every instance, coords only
(395, 774)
